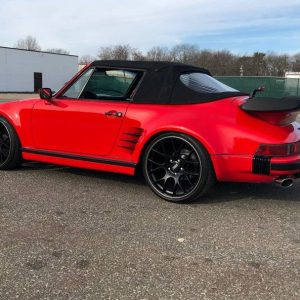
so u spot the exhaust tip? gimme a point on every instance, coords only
(285, 182)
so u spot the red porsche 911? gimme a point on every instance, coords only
(184, 128)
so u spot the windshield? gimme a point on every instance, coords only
(203, 83)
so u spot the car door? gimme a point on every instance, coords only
(86, 118)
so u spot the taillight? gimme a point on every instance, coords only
(297, 148)
(279, 150)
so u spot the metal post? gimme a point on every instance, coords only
(242, 70)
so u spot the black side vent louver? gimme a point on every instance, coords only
(129, 138)
(261, 165)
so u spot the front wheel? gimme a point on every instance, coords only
(10, 152)
(177, 167)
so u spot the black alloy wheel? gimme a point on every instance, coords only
(10, 152)
(177, 167)
(5, 144)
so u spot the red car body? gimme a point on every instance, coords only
(77, 133)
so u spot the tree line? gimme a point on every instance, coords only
(220, 63)
(31, 43)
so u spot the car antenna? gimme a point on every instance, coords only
(259, 89)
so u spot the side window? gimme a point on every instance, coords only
(76, 88)
(108, 84)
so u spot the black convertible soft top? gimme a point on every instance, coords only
(161, 85)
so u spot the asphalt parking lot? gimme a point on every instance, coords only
(5, 97)
(75, 234)
(67, 233)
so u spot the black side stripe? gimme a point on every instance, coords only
(80, 157)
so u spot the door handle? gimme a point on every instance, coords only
(114, 113)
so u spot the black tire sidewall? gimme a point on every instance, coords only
(206, 170)
(14, 156)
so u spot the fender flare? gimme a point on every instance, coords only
(141, 147)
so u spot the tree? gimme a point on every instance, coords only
(137, 55)
(58, 51)
(86, 59)
(106, 53)
(277, 65)
(296, 62)
(159, 54)
(118, 52)
(122, 52)
(184, 53)
(223, 63)
(204, 59)
(259, 64)
(29, 43)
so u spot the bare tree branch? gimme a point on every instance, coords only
(86, 59)
(58, 51)
(29, 43)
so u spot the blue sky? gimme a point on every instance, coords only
(82, 27)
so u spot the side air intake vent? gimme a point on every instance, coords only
(129, 138)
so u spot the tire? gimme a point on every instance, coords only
(177, 168)
(10, 147)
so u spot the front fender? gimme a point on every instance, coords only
(18, 114)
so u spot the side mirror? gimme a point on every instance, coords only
(45, 93)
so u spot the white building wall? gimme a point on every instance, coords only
(17, 68)
(292, 74)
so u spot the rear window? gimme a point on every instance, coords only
(203, 83)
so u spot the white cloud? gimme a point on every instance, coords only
(83, 26)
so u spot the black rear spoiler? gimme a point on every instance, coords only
(272, 104)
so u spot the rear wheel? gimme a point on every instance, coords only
(10, 152)
(177, 167)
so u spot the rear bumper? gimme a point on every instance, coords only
(288, 166)
(267, 165)
(277, 165)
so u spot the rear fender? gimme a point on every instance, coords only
(140, 149)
